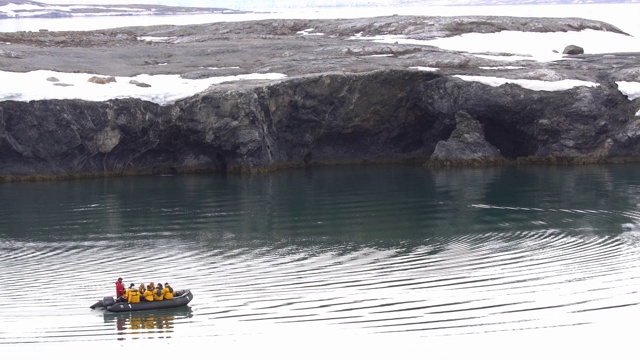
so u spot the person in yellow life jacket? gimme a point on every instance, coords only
(125, 296)
(134, 296)
(167, 292)
(148, 294)
(142, 288)
(157, 293)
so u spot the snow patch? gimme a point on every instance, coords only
(308, 32)
(629, 88)
(165, 39)
(501, 67)
(379, 38)
(537, 85)
(536, 46)
(424, 68)
(163, 89)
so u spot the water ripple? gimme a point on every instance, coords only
(450, 262)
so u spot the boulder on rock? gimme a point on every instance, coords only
(573, 50)
(139, 84)
(102, 80)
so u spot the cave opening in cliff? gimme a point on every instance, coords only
(307, 158)
(220, 163)
(510, 140)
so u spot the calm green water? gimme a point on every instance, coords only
(343, 261)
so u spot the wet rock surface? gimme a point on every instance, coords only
(345, 100)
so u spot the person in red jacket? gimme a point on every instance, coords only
(119, 288)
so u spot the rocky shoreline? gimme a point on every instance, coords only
(345, 100)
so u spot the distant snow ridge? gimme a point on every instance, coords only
(34, 9)
(27, 8)
(274, 4)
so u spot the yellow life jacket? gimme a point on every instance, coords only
(134, 296)
(148, 295)
(167, 292)
(126, 294)
(157, 294)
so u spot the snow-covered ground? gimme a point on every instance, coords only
(166, 89)
(161, 89)
(538, 46)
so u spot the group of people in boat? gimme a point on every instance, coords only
(150, 292)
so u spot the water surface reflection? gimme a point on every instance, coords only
(147, 324)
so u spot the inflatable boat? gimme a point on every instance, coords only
(180, 298)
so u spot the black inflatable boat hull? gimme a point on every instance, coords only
(182, 298)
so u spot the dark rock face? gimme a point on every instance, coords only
(393, 115)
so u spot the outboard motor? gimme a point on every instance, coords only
(99, 304)
(108, 301)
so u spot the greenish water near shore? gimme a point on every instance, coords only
(350, 253)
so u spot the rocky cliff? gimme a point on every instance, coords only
(332, 118)
(368, 115)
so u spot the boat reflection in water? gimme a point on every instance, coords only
(150, 324)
